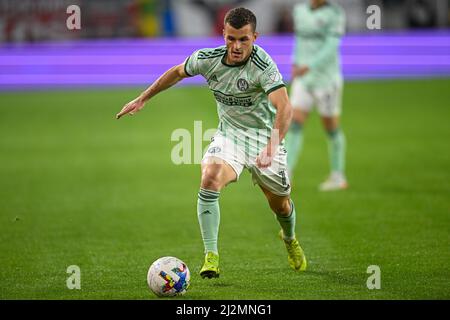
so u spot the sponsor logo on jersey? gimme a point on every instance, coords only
(232, 100)
(242, 84)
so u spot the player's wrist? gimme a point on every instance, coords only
(142, 99)
(272, 147)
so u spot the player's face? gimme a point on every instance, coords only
(239, 42)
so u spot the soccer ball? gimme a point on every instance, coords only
(168, 277)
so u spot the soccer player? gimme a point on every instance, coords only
(254, 116)
(317, 81)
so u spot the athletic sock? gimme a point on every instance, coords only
(208, 213)
(288, 224)
(336, 149)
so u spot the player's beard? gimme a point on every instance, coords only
(236, 57)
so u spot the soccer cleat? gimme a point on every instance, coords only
(296, 256)
(210, 268)
(335, 181)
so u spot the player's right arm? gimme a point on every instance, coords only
(165, 81)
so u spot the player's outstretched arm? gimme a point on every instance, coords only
(165, 81)
(280, 100)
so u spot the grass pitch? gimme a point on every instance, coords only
(79, 188)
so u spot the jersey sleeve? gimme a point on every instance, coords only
(271, 79)
(193, 65)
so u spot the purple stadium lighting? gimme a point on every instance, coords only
(139, 62)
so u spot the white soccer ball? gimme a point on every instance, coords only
(168, 277)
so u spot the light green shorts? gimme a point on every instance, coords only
(272, 178)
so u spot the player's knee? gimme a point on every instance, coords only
(332, 132)
(281, 208)
(298, 116)
(296, 126)
(331, 124)
(211, 180)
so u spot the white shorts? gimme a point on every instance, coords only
(273, 178)
(328, 101)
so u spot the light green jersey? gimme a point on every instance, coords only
(317, 38)
(241, 91)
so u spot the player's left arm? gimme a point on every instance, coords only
(280, 100)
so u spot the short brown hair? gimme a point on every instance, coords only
(239, 17)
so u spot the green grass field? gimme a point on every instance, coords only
(78, 187)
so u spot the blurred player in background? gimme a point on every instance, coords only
(251, 99)
(317, 81)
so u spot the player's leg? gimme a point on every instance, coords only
(215, 175)
(220, 166)
(302, 102)
(329, 106)
(276, 187)
(294, 138)
(284, 210)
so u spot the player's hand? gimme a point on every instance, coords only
(131, 107)
(299, 71)
(266, 156)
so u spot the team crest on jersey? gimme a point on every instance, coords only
(242, 84)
